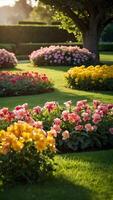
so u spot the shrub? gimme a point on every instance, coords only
(26, 153)
(75, 127)
(61, 55)
(14, 84)
(33, 34)
(91, 78)
(7, 59)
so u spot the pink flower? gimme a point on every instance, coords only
(56, 128)
(38, 124)
(96, 103)
(79, 128)
(50, 105)
(82, 103)
(37, 109)
(85, 116)
(73, 117)
(89, 128)
(65, 135)
(111, 130)
(96, 118)
(65, 115)
(68, 104)
(58, 121)
(53, 132)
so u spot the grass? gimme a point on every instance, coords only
(80, 176)
(61, 93)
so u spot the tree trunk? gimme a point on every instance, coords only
(91, 41)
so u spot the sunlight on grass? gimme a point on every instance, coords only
(80, 176)
(86, 176)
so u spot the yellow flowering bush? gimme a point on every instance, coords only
(91, 78)
(26, 153)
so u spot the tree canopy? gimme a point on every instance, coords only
(90, 16)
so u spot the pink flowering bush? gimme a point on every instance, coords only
(7, 59)
(15, 84)
(75, 127)
(62, 55)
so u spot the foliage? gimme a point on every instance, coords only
(26, 154)
(67, 23)
(75, 127)
(107, 35)
(61, 55)
(29, 34)
(7, 59)
(91, 78)
(42, 12)
(90, 17)
(15, 84)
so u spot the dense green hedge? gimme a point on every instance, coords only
(107, 35)
(32, 23)
(35, 34)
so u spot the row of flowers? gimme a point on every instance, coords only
(14, 84)
(53, 55)
(74, 127)
(62, 55)
(30, 137)
(91, 78)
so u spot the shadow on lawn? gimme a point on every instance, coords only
(56, 68)
(56, 95)
(101, 159)
(53, 189)
(16, 69)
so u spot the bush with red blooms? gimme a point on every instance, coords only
(25, 83)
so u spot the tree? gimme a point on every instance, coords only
(90, 16)
(42, 12)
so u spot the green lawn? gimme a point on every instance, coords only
(80, 176)
(61, 93)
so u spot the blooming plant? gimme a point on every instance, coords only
(14, 84)
(91, 78)
(7, 59)
(75, 127)
(62, 55)
(26, 153)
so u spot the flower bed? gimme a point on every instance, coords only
(14, 84)
(75, 127)
(62, 55)
(26, 153)
(7, 59)
(91, 78)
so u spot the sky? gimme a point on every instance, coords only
(9, 2)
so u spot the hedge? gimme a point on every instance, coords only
(35, 34)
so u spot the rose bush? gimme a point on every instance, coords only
(26, 153)
(91, 78)
(62, 55)
(75, 127)
(15, 84)
(7, 59)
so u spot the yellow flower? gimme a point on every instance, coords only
(20, 133)
(41, 145)
(17, 145)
